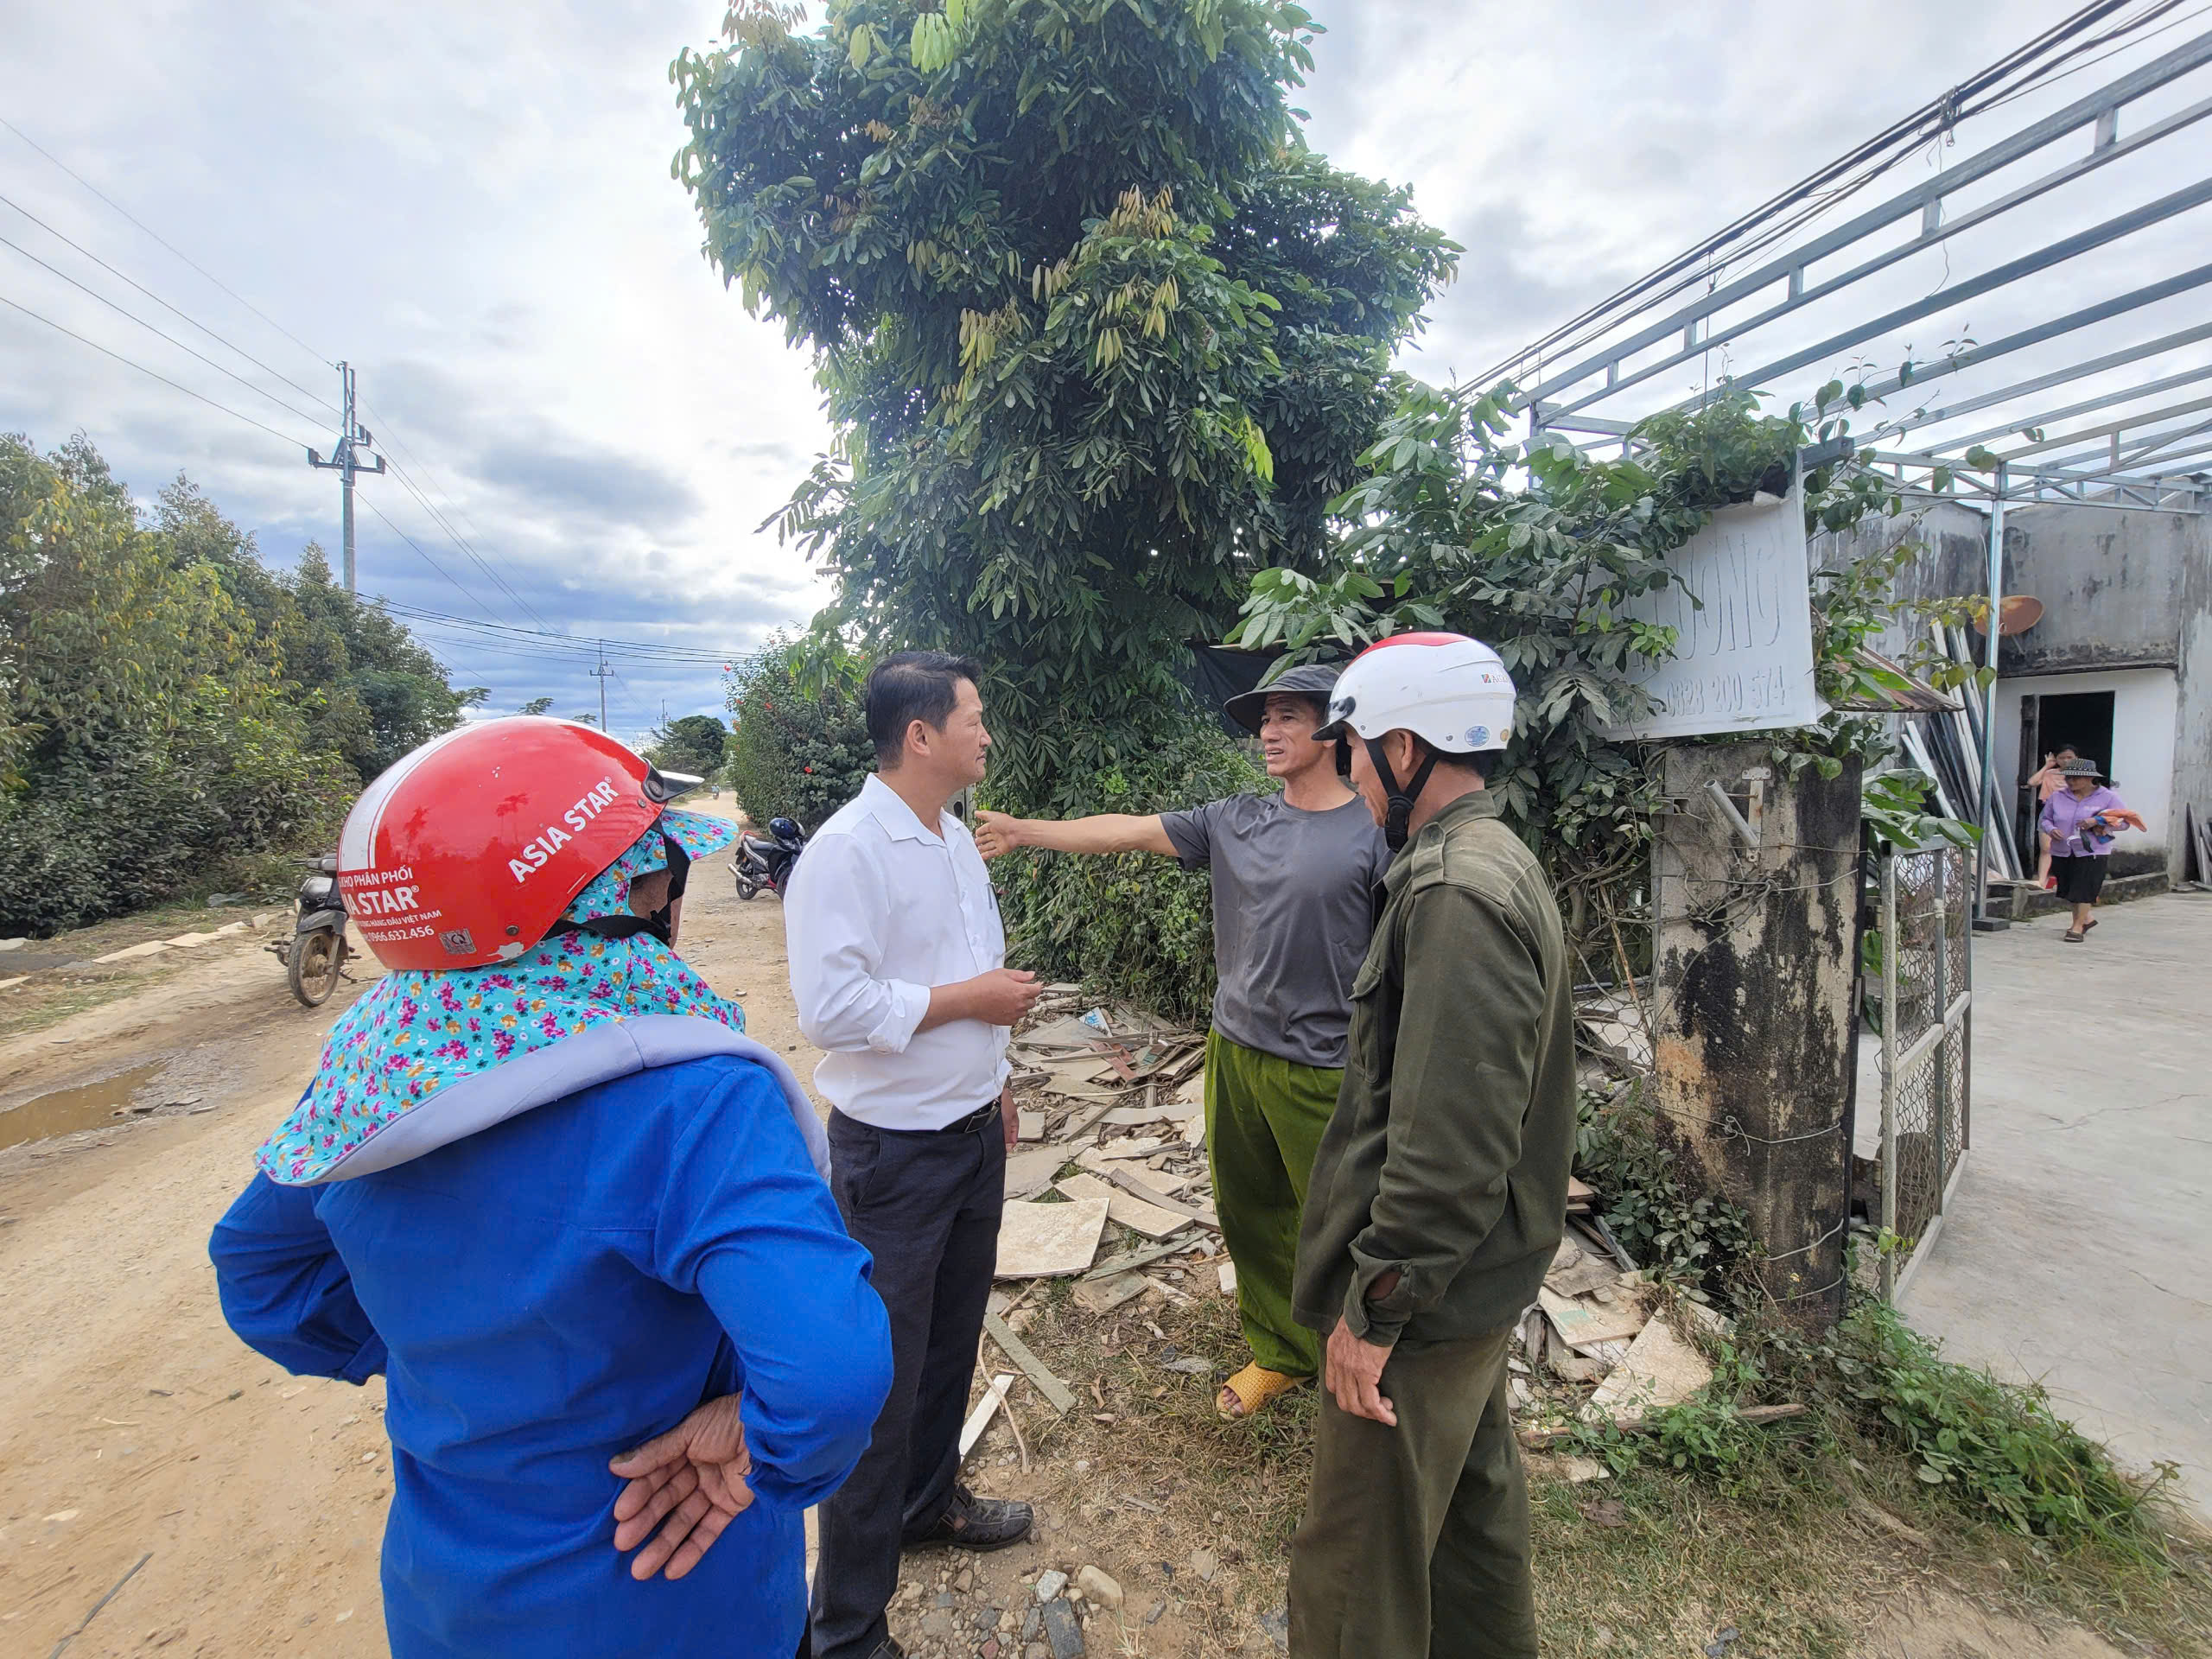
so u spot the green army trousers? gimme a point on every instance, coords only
(1264, 1119)
(1416, 1539)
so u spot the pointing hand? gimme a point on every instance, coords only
(996, 834)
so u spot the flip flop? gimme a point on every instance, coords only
(2086, 925)
(2074, 935)
(1254, 1387)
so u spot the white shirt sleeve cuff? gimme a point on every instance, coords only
(909, 1002)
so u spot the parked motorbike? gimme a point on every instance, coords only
(764, 864)
(314, 956)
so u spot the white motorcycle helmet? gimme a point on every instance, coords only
(1448, 690)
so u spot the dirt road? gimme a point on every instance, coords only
(132, 1423)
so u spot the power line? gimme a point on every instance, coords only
(455, 536)
(170, 339)
(437, 515)
(591, 639)
(426, 558)
(165, 305)
(154, 374)
(583, 650)
(444, 524)
(157, 237)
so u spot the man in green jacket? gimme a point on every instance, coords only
(1439, 1192)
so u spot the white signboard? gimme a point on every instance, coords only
(1744, 652)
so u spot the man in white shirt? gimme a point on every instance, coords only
(898, 963)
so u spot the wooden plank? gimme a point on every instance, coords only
(1536, 1439)
(986, 1408)
(1113, 1265)
(1017, 1351)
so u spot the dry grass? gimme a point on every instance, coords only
(1799, 1552)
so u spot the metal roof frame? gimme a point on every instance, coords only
(2134, 456)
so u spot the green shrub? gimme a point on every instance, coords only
(1662, 1223)
(1139, 924)
(800, 746)
(156, 735)
(1993, 1447)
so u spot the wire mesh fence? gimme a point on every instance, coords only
(1925, 1013)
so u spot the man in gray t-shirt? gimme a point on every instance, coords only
(1294, 874)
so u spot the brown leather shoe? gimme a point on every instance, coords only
(977, 1523)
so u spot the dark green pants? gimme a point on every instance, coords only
(1416, 1539)
(1264, 1119)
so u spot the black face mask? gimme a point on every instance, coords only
(662, 922)
(1398, 808)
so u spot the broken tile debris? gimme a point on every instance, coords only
(1043, 1240)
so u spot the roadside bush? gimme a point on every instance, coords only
(176, 716)
(1997, 1447)
(141, 815)
(800, 746)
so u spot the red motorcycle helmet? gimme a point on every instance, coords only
(466, 851)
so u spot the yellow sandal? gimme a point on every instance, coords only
(1254, 1387)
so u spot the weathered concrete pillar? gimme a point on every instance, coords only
(1751, 1017)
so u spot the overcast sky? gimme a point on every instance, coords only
(471, 203)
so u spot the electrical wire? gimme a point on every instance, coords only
(425, 558)
(152, 373)
(211, 334)
(157, 237)
(2148, 34)
(259, 391)
(444, 524)
(407, 482)
(634, 647)
(458, 540)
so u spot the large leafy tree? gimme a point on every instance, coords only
(368, 690)
(691, 743)
(1099, 335)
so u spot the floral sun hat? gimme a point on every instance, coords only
(416, 1034)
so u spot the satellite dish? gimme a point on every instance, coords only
(2019, 613)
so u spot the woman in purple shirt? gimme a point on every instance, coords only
(2078, 823)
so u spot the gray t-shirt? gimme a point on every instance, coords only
(1292, 908)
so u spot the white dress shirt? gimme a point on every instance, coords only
(880, 912)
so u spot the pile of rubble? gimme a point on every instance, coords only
(1112, 1129)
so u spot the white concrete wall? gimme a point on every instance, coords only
(2146, 707)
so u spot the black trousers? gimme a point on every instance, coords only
(2080, 879)
(926, 1206)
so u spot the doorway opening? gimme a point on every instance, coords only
(2079, 721)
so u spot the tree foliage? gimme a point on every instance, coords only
(691, 743)
(1535, 548)
(369, 691)
(173, 709)
(1096, 330)
(799, 747)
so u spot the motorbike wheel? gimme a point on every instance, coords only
(748, 887)
(312, 967)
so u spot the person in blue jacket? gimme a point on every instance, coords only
(574, 1218)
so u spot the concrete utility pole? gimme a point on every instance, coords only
(346, 459)
(600, 674)
(1755, 886)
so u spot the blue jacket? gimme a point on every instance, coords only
(549, 1292)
